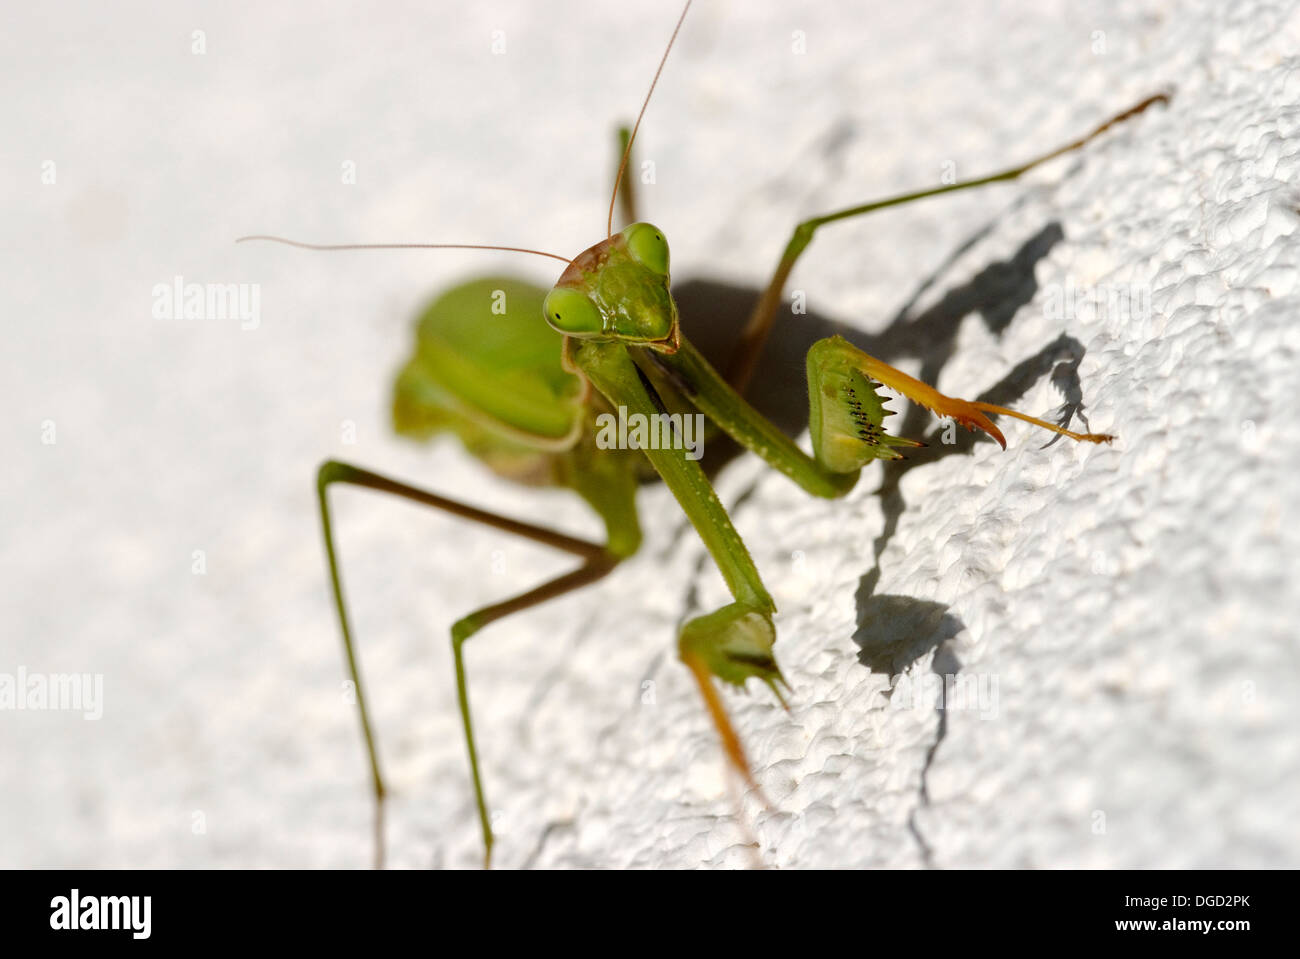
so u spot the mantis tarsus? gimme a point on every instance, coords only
(521, 374)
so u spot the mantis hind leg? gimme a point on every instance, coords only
(749, 346)
(597, 561)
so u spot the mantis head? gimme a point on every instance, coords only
(618, 290)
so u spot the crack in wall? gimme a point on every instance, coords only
(944, 664)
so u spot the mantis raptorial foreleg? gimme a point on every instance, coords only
(597, 561)
(749, 346)
(733, 643)
(846, 414)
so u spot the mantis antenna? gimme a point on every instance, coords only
(627, 151)
(609, 224)
(401, 246)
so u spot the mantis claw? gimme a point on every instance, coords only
(733, 643)
(775, 685)
(847, 414)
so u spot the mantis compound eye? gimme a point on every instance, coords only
(648, 247)
(571, 312)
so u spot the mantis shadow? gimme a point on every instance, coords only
(896, 631)
(713, 313)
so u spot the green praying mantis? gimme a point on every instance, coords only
(529, 379)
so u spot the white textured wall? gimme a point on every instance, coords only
(1135, 605)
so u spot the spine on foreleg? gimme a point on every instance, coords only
(846, 414)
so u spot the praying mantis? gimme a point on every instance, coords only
(527, 379)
